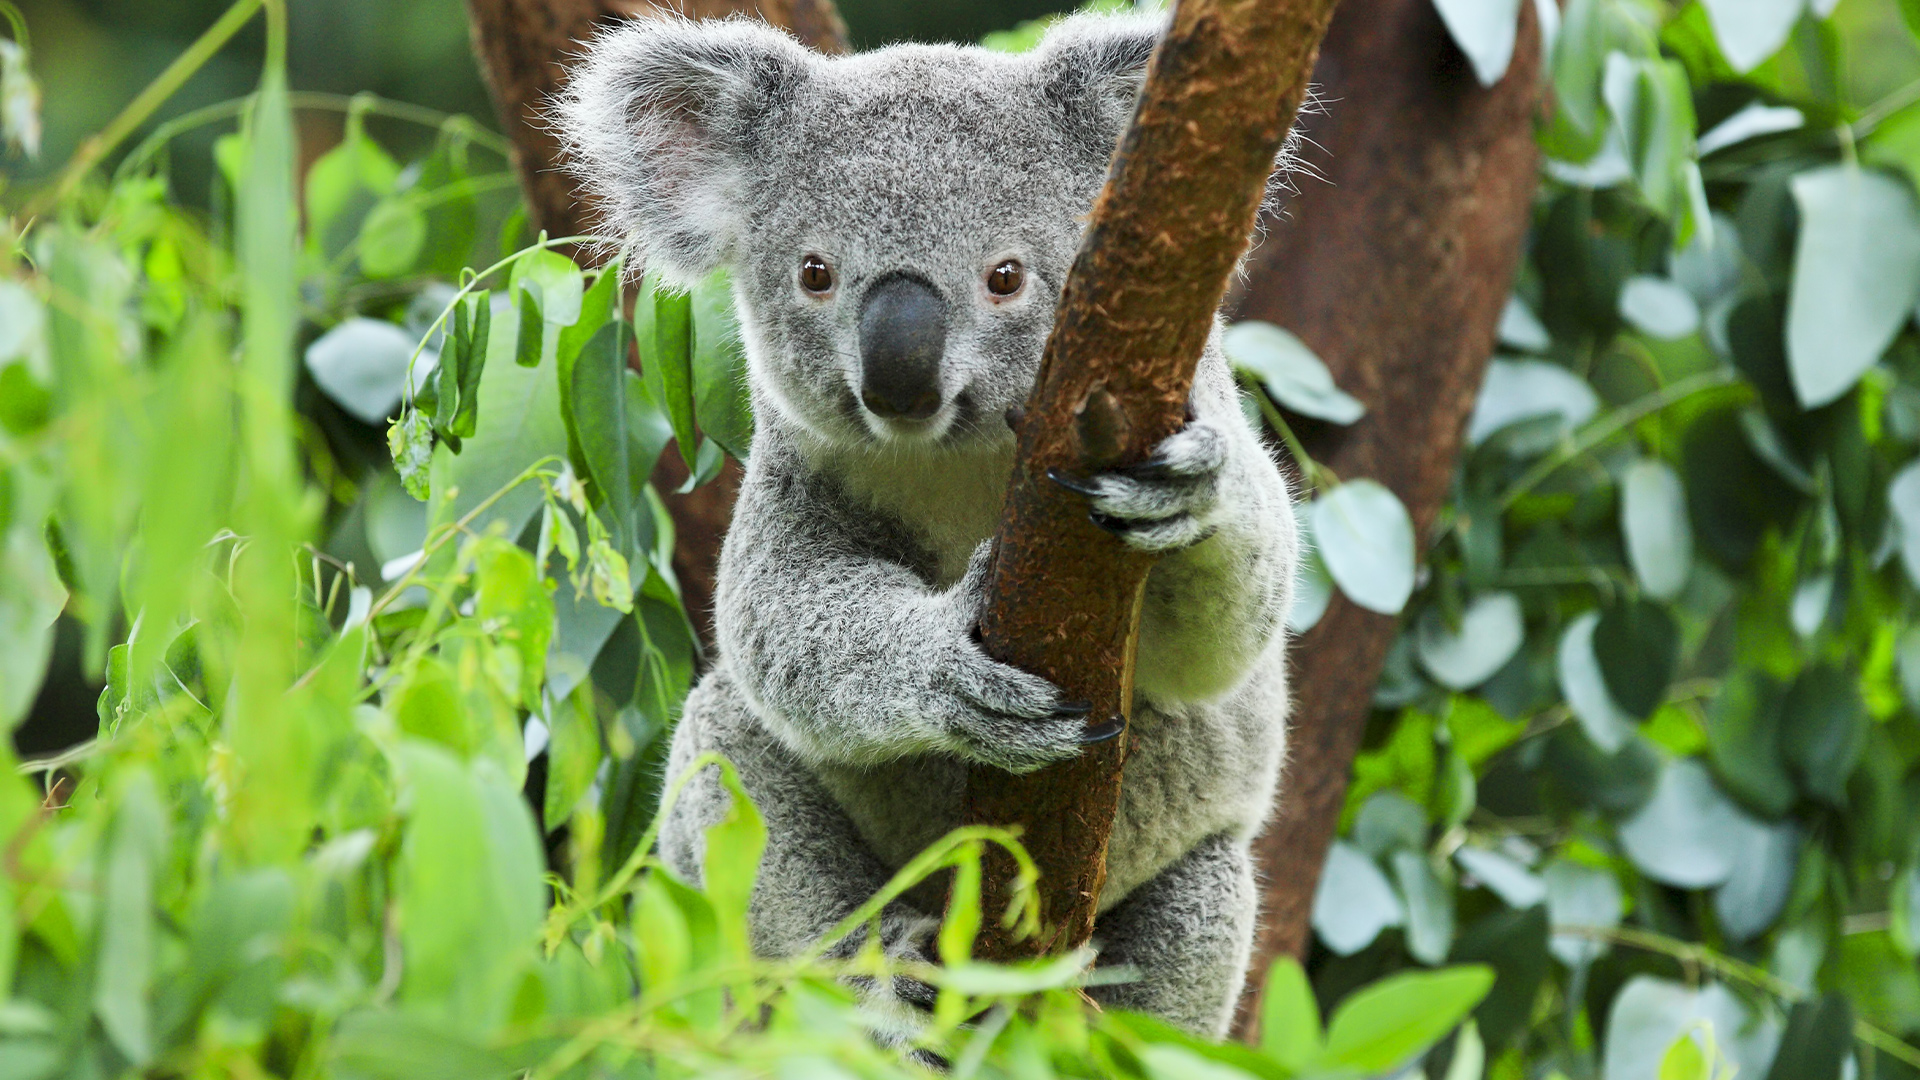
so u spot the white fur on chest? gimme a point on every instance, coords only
(950, 499)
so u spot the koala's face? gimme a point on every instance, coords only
(898, 223)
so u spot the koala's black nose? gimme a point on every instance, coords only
(903, 333)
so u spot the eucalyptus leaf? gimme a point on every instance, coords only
(1485, 31)
(1289, 370)
(1856, 275)
(1490, 632)
(1586, 897)
(1903, 499)
(391, 238)
(1517, 390)
(1366, 538)
(1429, 900)
(1756, 893)
(1513, 883)
(1649, 1014)
(1638, 646)
(1354, 902)
(1689, 834)
(1658, 307)
(1752, 30)
(1659, 535)
(1521, 329)
(1585, 688)
(362, 365)
(1751, 122)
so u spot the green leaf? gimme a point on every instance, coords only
(343, 184)
(31, 596)
(1518, 887)
(1469, 1055)
(1485, 32)
(470, 342)
(1366, 538)
(721, 402)
(1383, 1026)
(1904, 904)
(1823, 731)
(1517, 390)
(410, 442)
(666, 339)
(392, 238)
(1658, 307)
(511, 596)
(1903, 500)
(1653, 519)
(427, 705)
(1514, 945)
(470, 891)
(1490, 632)
(1685, 1060)
(1856, 275)
(599, 401)
(1289, 1016)
(573, 755)
(1637, 645)
(1744, 741)
(134, 853)
(1289, 370)
(1817, 1042)
(734, 846)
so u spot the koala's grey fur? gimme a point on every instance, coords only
(848, 689)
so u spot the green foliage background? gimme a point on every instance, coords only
(387, 674)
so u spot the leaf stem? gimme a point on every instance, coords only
(1610, 425)
(158, 91)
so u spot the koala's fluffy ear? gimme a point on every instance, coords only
(1091, 69)
(659, 120)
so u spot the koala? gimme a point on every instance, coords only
(898, 225)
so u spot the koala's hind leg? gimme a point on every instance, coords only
(817, 869)
(1189, 933)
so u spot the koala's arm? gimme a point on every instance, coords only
(1215, 608)
(848, 656)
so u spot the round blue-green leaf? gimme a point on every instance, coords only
(1689, 834)
(1513, 883)
(1490, 632)
(1751, 122)
(1650, 1014)
(1903, 498)
(1289, 370)
(1354, 901)
(1658, 308)
(1485, 31)
(1856, 275)
(1430, 916)
(362, 365)
(1659, 535)
(1585, 689)
(1517, 390)
(1753, 897)
(1579, 895)
(1364, 534)
(1521, 329)
(1752, 30)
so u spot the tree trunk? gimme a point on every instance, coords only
(1135, 312)
(523, 46)
(1395, 271)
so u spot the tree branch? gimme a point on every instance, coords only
(1135, 313)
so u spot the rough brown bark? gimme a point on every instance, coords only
(1395, 271)
(1064, 596)
(523, 46)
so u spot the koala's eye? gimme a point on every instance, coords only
(815, 275)
(1006, 279)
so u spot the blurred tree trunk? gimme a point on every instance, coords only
(523, 46)
(1063, 596)
(1395, 270)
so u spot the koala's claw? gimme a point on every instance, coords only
(1068, 709)
(1100, 733)
(1163, 503)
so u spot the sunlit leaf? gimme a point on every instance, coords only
(1659, 535)
(1384, 1025)
(1490, 632)
(1366, 538)
(1485, 32)
(1688, 834)
(1856, 275)
(362, 365)
(1752, 30)
(1289, 370)
(1354, 902)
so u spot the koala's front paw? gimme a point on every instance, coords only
(1166, 502)
(1012, 720)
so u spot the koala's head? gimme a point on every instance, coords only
(898, 223)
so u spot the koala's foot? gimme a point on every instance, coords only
(1166, 502)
